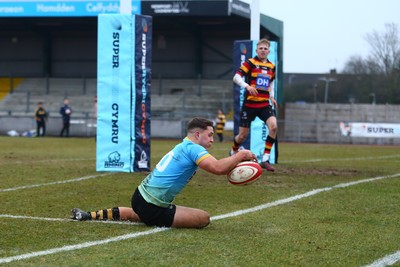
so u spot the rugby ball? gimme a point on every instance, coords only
(244, 173)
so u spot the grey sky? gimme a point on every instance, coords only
(320, 35)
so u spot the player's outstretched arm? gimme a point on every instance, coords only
(225, 165)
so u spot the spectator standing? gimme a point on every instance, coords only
(95, 107)
(41, 116)
(220, 125)
(65, 112)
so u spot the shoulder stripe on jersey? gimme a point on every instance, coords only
(202, 158)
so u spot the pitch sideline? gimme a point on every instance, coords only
(393, 257)
(53, 183)
(386, 261)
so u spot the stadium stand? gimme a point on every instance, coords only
(171, 98)
(51, 92)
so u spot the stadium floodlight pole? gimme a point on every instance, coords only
(125, 6)
(327, 81)
(255, 20)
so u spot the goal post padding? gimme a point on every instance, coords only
(123, 93)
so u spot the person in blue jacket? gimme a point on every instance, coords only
(65, 112)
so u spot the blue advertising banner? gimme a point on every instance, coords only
(258, 129)
(114, 92)
(66, 8)
(141, 82)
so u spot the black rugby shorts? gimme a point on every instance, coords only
(151, 214)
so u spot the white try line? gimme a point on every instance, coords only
(42, 161)
(297, 197)
(386, 261)
(80, 246)
(214, 218)
(53, 183)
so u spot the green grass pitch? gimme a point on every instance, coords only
(310, 213)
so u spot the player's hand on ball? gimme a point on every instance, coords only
(249, 156)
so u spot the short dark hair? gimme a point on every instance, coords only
(198, 122)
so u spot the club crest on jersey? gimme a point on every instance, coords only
(262, 82)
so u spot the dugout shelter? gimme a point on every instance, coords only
(191, 39)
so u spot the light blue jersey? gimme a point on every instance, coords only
(172, 173)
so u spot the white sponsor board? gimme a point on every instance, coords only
(365, 129)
